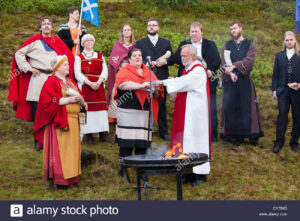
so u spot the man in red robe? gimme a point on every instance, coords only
(31, 67)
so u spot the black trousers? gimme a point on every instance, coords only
(34, 106)
(213, 111)
(162, 115)
(124, 152)
(284, 103)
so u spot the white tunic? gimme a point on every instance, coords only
(196, 125)
(40, 59)
(97, 121)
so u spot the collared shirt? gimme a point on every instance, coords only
(153, 39)
(290, 53)
(199, 47)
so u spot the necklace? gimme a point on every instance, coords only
(89, 57)
(238, 45)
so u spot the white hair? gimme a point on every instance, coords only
(193, 50)
(85, 37)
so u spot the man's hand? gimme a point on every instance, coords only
(233, 77)
(76, 42)
(297, 87)
(159, 83)
(35, 72)
(160, 62)
(228, 70)
(209, 73)
(274, 95)
(153, 64)
(173, 97)
(79, 31)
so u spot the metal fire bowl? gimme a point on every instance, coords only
(158, 161)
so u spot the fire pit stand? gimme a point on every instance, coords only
(146, 165)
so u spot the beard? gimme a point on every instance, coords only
(187, 63)
(238, 35)
(152, 33)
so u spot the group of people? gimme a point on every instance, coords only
(57, 91)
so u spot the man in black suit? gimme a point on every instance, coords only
(286, 90)
(156, 47)
(207, 50)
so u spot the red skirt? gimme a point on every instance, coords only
(95, 99)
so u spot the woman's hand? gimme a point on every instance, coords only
(145, 85)
(73, 99)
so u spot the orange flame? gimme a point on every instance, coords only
(175, 150)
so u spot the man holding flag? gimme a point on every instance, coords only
(71, 33)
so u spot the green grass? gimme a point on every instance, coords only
(238, 173)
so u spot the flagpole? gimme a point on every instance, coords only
(79, 27)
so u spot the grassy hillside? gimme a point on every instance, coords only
(244, 172)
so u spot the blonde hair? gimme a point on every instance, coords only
(296, 46)
(196, 24)
(131, 40)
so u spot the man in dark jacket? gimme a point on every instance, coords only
(208, 51)
(158, 49)
(286, 90)
(69, 32)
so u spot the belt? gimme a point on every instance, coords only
(45, 71)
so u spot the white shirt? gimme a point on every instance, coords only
(290, 53)
(199, 47)
(153, 39)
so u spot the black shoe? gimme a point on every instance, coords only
(104, 137)
(59, 187)
(238, 143)
(277, 148)
(190, 177)
(124, 174)
(294, 148)
(255, 143)
(199, 179)
(90, 139)
(36, 145)
(214, 139)
(166, 137)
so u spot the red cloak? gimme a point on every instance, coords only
(179, 114)
(19, 81)
(49, 109)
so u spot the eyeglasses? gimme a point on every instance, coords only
(152, 25)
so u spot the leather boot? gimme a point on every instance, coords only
(124, 174)
(103, 137)
(199, 179)
(90, 139)
(36, 145)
